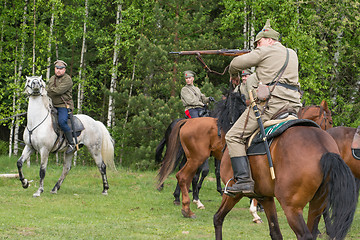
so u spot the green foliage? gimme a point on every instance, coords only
(324, 34)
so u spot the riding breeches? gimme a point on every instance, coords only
(247, 123)
(62, 119)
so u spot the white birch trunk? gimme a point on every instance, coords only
(17, 80)
(81, 87)
(110, 120)
(2, 30)
(83, 49)
(34, 40)
(48, 67)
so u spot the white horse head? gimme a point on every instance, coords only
(35, 86)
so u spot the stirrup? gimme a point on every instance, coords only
(70, 149)
(225, 189)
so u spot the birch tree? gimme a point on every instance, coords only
(16, 102)
(83, 50)
(114, 72)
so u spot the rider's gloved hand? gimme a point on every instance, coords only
(211, 99)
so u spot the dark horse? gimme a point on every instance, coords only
(202, 171)
(300, 178)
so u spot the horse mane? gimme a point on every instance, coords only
(228, 110)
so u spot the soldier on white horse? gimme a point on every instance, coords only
(40, 136)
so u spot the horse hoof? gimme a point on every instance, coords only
(53, 191)
(186, 215)
(105, 193)
(177, 203)
(25, 184)
(257, 221)
(37, 194)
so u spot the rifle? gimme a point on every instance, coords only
(223, 52)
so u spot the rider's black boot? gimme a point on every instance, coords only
(244, 183)
(71, 147)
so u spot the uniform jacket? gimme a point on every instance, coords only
(192, 97)
(268, 61)
(59, 90)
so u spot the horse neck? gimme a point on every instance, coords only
(38, 109)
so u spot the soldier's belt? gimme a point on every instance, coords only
(291, 87)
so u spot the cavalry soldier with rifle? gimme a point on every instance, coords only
(59, 89)
(277, 72)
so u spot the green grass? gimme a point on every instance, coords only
(134, 209)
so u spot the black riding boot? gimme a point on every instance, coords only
(69, 138)
(244, 183)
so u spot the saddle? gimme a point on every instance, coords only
(77, 124)
(274, 128)
(355, 146)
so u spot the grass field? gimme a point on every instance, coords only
(134, 209)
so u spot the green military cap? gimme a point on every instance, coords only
(60, 64)
(267, 32)
(189, 73)
(246, 72)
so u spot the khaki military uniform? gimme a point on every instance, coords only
(268, 62)
(192, 97)
(59, 89)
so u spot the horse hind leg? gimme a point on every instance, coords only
(176, 195)
(102, 170)
(66, 169)
(294, 216)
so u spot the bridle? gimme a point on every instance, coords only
(322, 112)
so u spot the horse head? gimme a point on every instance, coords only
(320, 114)
(229, 110)
(34, 86)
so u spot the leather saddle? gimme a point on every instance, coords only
(78, 125)
(273, 129)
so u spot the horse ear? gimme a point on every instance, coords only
(324, 104)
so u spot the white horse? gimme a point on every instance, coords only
(40, 135)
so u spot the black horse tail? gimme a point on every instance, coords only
(159, 151)
(171, 157)
(341, 198)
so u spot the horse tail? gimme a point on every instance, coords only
(159, 150)
(107, 147)
(172, 154)
(341, 198)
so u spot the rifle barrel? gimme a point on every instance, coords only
(224, 52)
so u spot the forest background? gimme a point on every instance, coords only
(117, 55)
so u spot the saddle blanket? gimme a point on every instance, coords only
(257, 145)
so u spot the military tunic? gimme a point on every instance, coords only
(192, 97)
(59, 89)
(268, 61)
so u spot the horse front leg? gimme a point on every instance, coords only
(218, 179)
(204, 172)
(44, 160)
(25, 154)
(227, 203)
(65, 172)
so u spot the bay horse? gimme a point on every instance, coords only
(206, 136)
(199, 176)
(40, 136)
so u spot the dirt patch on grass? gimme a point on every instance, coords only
(27, 231)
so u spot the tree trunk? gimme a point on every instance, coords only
(83, 49)
(2, 31)
(48, 67)
(111, 114)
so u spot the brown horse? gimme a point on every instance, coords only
(319, 114)
(308, 169)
